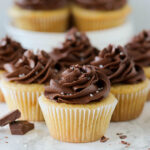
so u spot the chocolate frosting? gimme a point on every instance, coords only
(31, 68)
(77, 49)
(79, 85)
(139, 49)
(117, 65)
(102, 4)
(10, 51)
(41, 4)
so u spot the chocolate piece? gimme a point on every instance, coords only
(20, 127)
(119, 134)
(10, 117)
(123, 137)
(125, 143)
(104, 139)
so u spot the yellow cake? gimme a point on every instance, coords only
(78, 123)
(89, 20)
(131, 100)
(23, 97)
(1, 94)
(38, 20)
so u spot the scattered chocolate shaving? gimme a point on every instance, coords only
(119, 134)
(123, 137)
(10, 117)
(125, 143)
(104, 139)
(20, 127)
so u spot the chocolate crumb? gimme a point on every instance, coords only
(125, 143)
(6, 142)
(104, 139)
(119, 134)
(123, 137)
(6, 137)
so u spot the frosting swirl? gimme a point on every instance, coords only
(102, 4)
(41, 4)
(139, 49)
(79, 85)
(31, 68)
(119, 68)
(77, 49)
(10, 51)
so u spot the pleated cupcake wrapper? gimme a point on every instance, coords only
(25, 101)
(77, 125)
(91, 22)
(1, 97)
(130, 105)
(41, 22)
(1, 93)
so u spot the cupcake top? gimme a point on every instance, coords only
(79, 85)
(117, 65)
(76, 49)
(139, 49)
(10, 51)
(102, 4)
(31, 68)
(41, 4)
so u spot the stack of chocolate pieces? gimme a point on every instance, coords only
(16, 127)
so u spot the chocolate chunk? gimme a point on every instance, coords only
(20, 127)
(10, 117)
(125, 143)
(104, 139)
(119, 134)
(123, 137)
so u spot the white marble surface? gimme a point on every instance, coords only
(137, 131)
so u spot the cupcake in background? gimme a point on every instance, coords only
(97, 15)
(40, 15)
(139, 50)
(128, 81)
(78, 107)
(76, 49)
(25, 81)
(10, 52)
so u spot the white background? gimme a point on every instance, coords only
(140, 14)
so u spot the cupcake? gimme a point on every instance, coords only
(139, 50)
(25, 82)
(76, 49)
(128, 81)
(97, 15)
(40, 15)
(78, 107)
(10, 52)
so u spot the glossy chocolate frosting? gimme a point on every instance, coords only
(77, 49)
(102, 4)
(10, 51)
(79, 85)
(117, 65)
(41, 4)
(139, 49)
(31, 68)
